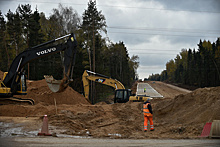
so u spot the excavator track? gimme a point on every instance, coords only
(31, 101)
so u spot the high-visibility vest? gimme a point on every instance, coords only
(146, 110)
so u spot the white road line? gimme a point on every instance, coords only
(149, 90)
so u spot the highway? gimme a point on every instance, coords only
(149, 90)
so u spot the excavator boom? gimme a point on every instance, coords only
(33, 54)
(92, 76)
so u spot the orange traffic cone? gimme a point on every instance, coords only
(44, 130)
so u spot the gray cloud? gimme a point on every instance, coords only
(192, 5)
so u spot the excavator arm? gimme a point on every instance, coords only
(92, 76)
(38, 52)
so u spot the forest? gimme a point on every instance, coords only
(24, 28)
(197, 68)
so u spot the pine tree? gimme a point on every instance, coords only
(93, 23)
(14, 31)
(36, 37)
(4, 55)
(25, 16)
(217, 61)
(189, 68)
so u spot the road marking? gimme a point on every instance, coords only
(151, 92)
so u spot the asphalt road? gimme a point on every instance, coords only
(90, 142)
(149, 90)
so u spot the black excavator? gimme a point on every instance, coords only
(14, 81)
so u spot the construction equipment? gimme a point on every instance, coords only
(14, 81)
(122, 95)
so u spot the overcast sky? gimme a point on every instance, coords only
(155, 30)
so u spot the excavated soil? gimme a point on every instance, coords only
(181, 114)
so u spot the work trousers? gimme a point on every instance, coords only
(150, 118)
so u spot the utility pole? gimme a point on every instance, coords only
(94, 90)
(90, 66)
(93, 34)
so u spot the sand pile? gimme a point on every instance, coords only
(44, 101)
(40, 93)
(106, 120)
(199, 106)
(185, 115)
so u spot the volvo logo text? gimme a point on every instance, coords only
(46, 51)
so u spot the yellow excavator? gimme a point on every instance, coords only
(14, 81)
(122, 95)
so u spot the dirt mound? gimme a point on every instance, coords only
(40, 92)
(187, 114)
(44, 101)
(199, 106)
(38, 110)
(114, 121)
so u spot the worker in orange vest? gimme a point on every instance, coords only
(148, 115)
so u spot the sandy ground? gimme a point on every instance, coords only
(181, 114)
(167, 90)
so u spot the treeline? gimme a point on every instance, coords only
(25, 28)
(199, 68)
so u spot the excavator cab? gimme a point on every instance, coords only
(22, 86)
(19, 88)
(122, 95)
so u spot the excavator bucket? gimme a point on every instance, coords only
(56, 85)
(53, 84)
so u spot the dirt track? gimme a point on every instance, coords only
(167, 90)
(179, 115)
